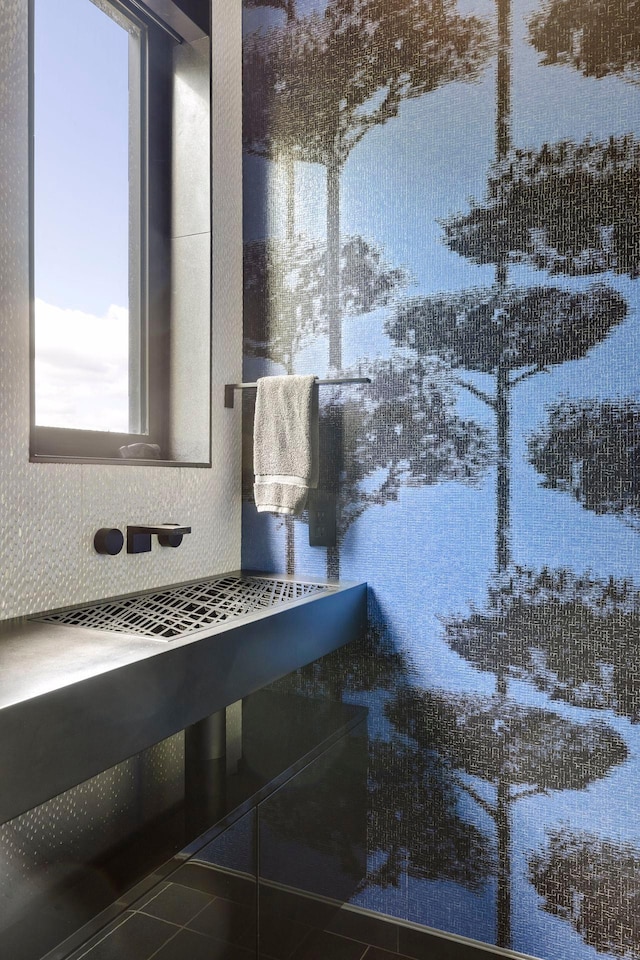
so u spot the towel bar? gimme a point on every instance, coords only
(230, 388)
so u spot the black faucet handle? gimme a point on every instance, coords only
(108, 540)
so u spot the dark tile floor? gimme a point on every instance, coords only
(180, 922)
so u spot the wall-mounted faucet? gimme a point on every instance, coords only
(169, 535)
(109, 540)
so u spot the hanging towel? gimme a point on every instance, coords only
(285, 443)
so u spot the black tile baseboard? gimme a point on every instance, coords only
(216, 883)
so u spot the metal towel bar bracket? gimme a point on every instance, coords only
(230, 388)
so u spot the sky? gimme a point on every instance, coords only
(81, 214)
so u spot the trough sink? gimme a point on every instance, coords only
(84, 689)
(184, 610)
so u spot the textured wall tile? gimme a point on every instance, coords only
(190, 346)
(51, 511)
(191, 136)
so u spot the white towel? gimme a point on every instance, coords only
(285, 443)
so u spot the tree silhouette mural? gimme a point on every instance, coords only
(289, 6)
(401, 429)
(286, 308)
(555, 631)
(530, 191)
(415, 829)
(285, 303)
(511, 334)
(349, 69)
(588, 449)
(574, 637)
(522, 216)
(250, 66)
(595, 885)
(520, 751)
(597, 37)
(591, 450)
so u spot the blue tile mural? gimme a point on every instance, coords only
(445, 197)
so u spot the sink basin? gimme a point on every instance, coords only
(184, 610)
(78, 696)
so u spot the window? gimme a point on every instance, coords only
(102, 122)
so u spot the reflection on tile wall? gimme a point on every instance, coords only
(446, 197)
(49, 512)
(59, 861)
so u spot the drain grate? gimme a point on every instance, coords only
(179, 611)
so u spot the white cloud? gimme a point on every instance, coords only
(81, 368)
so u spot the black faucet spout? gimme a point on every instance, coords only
(169, 535)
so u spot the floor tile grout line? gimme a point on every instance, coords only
(179, 929)
(163, 945)
(81, 956)
(368, 948)
(206, 907)
(180, 926)
(197, 914)
(140, 911)
(393, 951)
(367, 951)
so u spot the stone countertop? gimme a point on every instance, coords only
(75, 701)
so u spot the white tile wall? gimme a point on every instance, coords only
(49, 512)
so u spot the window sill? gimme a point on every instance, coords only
(121, 461)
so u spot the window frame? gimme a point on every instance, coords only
(150, 210)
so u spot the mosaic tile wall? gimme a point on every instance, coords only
(446, 197)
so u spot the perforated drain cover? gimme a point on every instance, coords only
(180, 611)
